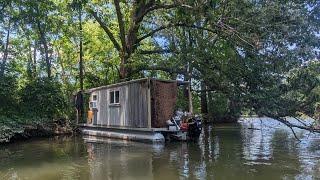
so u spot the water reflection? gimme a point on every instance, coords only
(114, 159)
(248, 150)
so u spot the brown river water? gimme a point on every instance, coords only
(251, 149)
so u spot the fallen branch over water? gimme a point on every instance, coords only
(308, 127)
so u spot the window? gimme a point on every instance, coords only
(114, 97)
(94, 97)
(93, 102)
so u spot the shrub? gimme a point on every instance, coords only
(8, 95)
(43, 97)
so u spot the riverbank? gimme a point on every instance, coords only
(17, 128)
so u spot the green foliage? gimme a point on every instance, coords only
(303, 89)
(35, 105)
(251, 55)
(43, 97)
(218, 105)
(182, 100)
(13, 125)
(8, 95)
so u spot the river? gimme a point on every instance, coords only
(252, 149)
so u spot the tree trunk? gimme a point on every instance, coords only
(30, 62)
(34, 64)
(204, 101)
(209, 107)
(45, 47)
(81, 51)
(317, 114)
(6, 51)
(123, 66)
(81, 105)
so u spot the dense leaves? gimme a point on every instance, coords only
(8, 95)
(43, 98)
(241, 56)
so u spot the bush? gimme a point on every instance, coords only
(43, 97)
(8, 95)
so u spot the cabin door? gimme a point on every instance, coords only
(114, 107)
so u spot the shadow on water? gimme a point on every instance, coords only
(232, 151)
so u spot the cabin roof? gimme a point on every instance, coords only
(134, 81)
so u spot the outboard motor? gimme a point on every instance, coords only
(194, 130)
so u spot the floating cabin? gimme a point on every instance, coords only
(134, 110)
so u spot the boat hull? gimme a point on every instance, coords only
(131, 134)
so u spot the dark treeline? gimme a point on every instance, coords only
(242, 57)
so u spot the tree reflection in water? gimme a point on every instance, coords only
(247, 150)
(223, 152)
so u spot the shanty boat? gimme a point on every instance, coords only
(141, 110)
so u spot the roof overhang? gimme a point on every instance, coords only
(179, 83)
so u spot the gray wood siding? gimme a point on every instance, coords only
(137, 105)
(133, 108)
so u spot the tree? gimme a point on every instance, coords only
(239, 55)
(130, 26)
(7, 19)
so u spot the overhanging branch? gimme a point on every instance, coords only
(156, 51)
(173, 25)
(105, 28)
(165, 6)
(304, 126)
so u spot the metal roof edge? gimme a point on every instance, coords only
(132, 81)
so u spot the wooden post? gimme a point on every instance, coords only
(190, 98)
(77, 120)
(149, 102)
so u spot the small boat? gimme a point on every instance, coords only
(189, 128)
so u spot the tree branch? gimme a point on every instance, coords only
(161, 6)
(121, 24)
(166, 6)
(290, 125)
(156, 51)
(105, 28)
(173, 25)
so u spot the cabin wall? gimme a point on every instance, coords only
(163, 102)
(132, 110)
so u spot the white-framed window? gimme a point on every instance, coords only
(114, 97)
(93, 102)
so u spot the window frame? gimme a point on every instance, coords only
(113, 99)
(93, 101)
